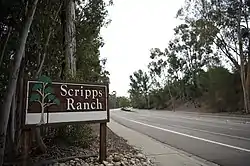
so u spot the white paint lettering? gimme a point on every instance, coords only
(99, 105)
(87, 94)
(70, 104)
(63, 90)
(76, 92)
(95, 94)
(92, 105)
(82, 94)
(86, 106)
(78, 106)
(70, 92)
(100, 93)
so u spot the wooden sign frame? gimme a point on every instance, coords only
(67, 113)
(36, 84)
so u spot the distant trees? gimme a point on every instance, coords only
(118, 101)
(139, 92)
(230, 18)
(123, 102)
(195, 65)
(113, 100)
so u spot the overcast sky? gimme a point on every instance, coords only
(136, 27)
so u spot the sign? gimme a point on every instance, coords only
(50, 102)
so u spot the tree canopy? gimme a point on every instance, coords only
(205, 63)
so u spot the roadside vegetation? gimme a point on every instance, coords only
(206, 64)
(118, 101)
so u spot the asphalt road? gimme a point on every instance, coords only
(221, 140)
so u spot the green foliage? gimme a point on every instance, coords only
(158, 98)
(139, 89)
(35, 97)
(113, 100)
(45, 79)
(190, 68)
(37, 86)
(123, 102)
(57, 101)
(220, 89)
(77, 135)
(51, 97)
(90, 18)
(48, 90)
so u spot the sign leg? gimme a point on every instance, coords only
(26, 146)
(103, 143)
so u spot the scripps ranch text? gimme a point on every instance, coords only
(90, 98)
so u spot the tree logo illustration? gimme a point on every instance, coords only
(43, 93)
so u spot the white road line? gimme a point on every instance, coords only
(167, 118)
(205, 131)
(186, 135)
(210, 132)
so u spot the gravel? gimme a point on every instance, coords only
(119, 153)
(115, 159)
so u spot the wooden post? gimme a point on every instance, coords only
(103, 145)
(26, 146)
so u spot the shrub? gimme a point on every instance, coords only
(77, 134)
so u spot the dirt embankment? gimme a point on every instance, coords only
(199, 106)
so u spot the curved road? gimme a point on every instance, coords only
(219, 139)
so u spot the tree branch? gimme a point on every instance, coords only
(48, 104)
(39, 92)
(39, 102)
(227, 45)
(47, 42)
(227, 54)
(5, 45)
(47, 95)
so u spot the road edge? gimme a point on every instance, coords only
(181, 152)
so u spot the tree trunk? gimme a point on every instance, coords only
(69, 46)
(248, 59)
(171, 98)
(146, 101)
(13, 119)
(42, 116)
(44, 54)
(242, 62)
(10, 142)
(5, 45)
(39, 139)
(47, 44)
(37, 131)
(5, 111)
(248, 72)
(70, 40)
(20, 111)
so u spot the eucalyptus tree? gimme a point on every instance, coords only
(90, 18)
(157, 69)
(139, 89)
(157, 66)
(230, 19)
(189, 54)
(4, 116)
(178, 66)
